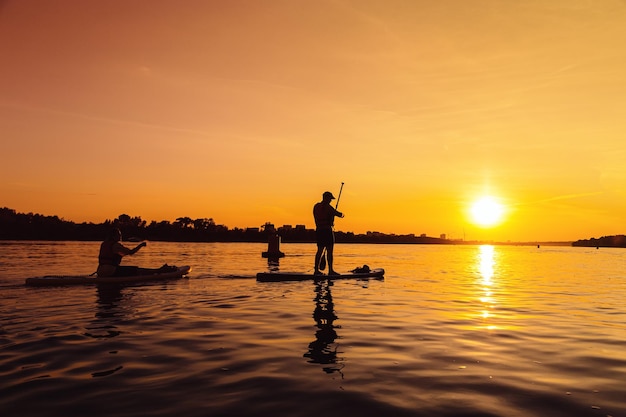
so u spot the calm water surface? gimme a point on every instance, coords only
(450, 331)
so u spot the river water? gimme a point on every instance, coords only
(449, 331)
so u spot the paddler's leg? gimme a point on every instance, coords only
(318, 258)
(329, 256)
(126, 271)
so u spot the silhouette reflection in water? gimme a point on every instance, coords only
(323, 349)
(273, 264)
(108, 314)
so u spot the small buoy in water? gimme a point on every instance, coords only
(273, 247)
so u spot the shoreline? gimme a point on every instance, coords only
(338, 242)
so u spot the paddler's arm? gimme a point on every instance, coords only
(136, 248)
(123, 250)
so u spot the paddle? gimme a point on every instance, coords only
(323, 258)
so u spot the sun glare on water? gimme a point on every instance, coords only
(486, 212)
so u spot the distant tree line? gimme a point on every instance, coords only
(29, 226)
(616, 241)
(22, 226)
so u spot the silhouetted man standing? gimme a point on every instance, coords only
(324, 215)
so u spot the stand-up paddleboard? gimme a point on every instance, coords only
(377, 273)
(52, 280)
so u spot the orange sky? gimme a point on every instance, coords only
(246, 111)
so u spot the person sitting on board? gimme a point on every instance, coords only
(111, 254)
(324, 215)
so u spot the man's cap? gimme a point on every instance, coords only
(329, 195)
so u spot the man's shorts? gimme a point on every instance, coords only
(325, 237)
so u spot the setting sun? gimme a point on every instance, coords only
(486, 211)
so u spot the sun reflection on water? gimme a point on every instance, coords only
(486, 268)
